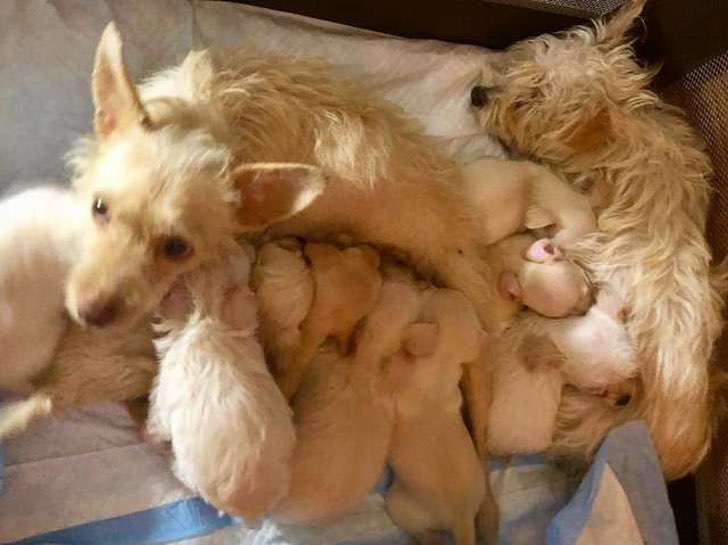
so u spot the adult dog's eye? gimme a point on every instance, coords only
(176, 248)
(99, 208)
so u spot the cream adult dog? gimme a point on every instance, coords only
(579, 101)
(195, 154)
(58, 363)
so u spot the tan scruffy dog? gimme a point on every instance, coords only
(195, 153)
(579, 102)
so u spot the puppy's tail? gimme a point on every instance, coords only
(17, 416)
(619, 23)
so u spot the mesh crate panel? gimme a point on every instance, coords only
(704, 94)
(581, 8)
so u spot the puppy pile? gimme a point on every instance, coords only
(202, 260)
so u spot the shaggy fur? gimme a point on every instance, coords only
(180, 158)
(214, 398)
(579, 102)
(439, 482)
(536, 357)
(40, 232)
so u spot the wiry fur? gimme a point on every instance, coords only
(168, 158)
(579, 101)
(214, 398)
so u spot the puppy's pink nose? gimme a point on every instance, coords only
(100, 312)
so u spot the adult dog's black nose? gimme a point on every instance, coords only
(479, 96)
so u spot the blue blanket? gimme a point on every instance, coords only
(57, 490)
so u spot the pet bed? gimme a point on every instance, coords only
(89, 479)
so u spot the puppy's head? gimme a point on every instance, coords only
(560, 97)
(163, 191)
(548, 283)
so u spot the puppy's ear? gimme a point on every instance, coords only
(509, 287)
(116, 102)
(538, 218)
(272, 192)
(420, 339)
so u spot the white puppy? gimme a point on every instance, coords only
(516, 195)
(230, 427)
(439, 479)
(344, 412)
(536, 357)
(40, 238)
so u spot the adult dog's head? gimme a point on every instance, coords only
(563, 97)
(164, 191)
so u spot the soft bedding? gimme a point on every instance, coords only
(89, 479)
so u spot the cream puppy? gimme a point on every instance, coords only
(284, 288)
(439, 479)
(536, 357)
(347, 286)
(40, 238)
(344, 412)
(537, 274)
(516, 195)
(214, 399)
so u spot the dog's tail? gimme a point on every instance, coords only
(18, 415)
(618, 24)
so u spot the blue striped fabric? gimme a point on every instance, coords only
(176, 521)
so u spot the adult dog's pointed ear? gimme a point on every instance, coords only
(116, 102)
(272, 192)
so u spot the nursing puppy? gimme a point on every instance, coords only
(214, 399)
(439, 481)
(580, 102)
(535, 358)
(40, 238)
(284, 288)
(344, 411)
(516, 195)
(346, 286)
(538, 274)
